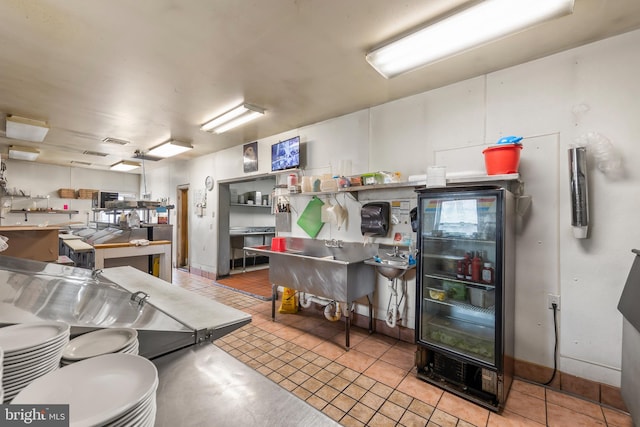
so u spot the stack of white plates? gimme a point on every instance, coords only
(108, 390)
(102, 341)
(31, 350)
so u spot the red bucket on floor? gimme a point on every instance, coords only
(278, 244)
(502, 159)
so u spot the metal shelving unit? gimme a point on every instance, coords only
(116, 212)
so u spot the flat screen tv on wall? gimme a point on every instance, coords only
(285, 154)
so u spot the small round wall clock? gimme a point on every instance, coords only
(208, 183)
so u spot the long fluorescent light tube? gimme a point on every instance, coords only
(169, 148)
(233, 118)
(472, 27)
(23, 153)
(26, 129)
(124, 166)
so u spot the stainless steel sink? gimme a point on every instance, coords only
(335, 273)
(391, 268)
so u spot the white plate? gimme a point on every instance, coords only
(17, 338)
(29, 373)
(48, 353)
(98, 390)
(132, 349)
(148, 404)
(140, 419)
(34, 352)
(99, 342)
(40, 348)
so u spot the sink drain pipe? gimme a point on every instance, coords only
(332, 309)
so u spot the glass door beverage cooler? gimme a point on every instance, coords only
(465, 291)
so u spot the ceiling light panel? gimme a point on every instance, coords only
(233, 118)
(169, 149)
(26, 129)
(124, 166)
(23, 153)
(484, 22)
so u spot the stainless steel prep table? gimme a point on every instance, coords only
(204, 386)
(243, 237)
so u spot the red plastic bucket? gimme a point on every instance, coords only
(502, 159)
(278, 244)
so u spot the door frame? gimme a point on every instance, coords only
(223, 267)
(182, 227)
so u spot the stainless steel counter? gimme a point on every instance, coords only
(166, 316)
(204, 386)
(243, 237)
(628, 306)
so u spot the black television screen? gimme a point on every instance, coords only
(285, 154)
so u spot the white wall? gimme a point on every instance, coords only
(39, 179)
(449, 126)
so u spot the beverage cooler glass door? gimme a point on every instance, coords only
(460, 268)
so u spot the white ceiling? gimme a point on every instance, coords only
(150, 70)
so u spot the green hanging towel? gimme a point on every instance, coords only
(311, 218)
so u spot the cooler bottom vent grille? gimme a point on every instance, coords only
(449, 368)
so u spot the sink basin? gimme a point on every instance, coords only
(391, 268)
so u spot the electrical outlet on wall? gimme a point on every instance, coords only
(553, 299)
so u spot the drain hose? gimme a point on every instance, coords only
(392, 311)
(392, 317)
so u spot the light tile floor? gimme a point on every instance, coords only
(375, 383)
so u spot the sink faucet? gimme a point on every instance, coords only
(333, 243)
(396, 253)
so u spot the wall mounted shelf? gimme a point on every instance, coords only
(44, 212)
(452, 179)
(250, 206)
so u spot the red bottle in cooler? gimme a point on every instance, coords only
(467, 266)
(460, 270)
(476, 268)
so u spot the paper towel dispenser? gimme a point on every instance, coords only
(374, 218)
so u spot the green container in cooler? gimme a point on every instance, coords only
(456, 291)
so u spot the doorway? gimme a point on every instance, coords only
(182, 231)
(246, 221)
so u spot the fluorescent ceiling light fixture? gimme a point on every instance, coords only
(472, 27)
(124, 166)
(23, 153)
(233, 118)
(169, 148)
(26, 129)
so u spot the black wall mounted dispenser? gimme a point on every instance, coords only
(374, 219)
